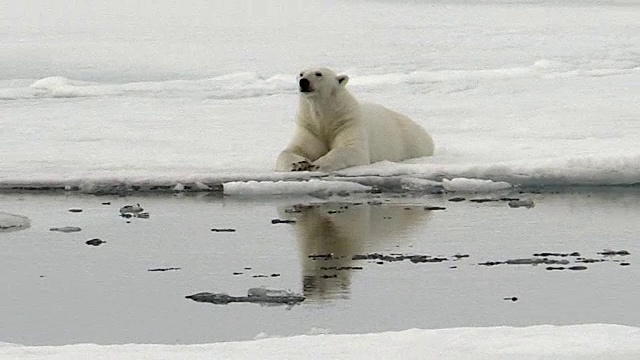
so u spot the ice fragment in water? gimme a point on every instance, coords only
(260, 295)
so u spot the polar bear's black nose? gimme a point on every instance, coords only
(304, 85)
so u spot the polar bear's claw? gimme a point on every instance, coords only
(303, 165)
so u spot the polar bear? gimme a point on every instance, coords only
(335, 131)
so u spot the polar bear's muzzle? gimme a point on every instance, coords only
(305, 86)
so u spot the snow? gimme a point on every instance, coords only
(524, 92)
(250, 188)
(536, 342)
(474, 185)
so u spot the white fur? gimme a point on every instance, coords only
(335, 131)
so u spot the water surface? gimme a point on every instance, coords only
(58, 290)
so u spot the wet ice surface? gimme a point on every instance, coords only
(58, 290)
(262, 296)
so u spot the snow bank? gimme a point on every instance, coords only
(537, 342)
(251, 188)
(241, 85)
(596, 170)
(474, 185)
(228, 86)
(467, 178)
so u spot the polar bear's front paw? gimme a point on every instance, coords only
(303, 165)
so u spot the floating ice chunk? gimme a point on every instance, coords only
(12, 222)
(264, 292)
(522, 203)
(66, 229)
(259, 295)
(131, 209)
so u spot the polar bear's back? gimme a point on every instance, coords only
(393, 136)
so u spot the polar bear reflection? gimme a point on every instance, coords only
(344, 229)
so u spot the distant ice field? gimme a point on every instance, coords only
(161, 93)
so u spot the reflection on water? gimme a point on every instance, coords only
(58, 290)
(330, 234)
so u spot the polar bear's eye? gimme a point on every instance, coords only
(301, 74)
(318, 74)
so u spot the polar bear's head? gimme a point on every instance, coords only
(320, 82)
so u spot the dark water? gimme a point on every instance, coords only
(58, 290)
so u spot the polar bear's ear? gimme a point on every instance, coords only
(342, 79)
